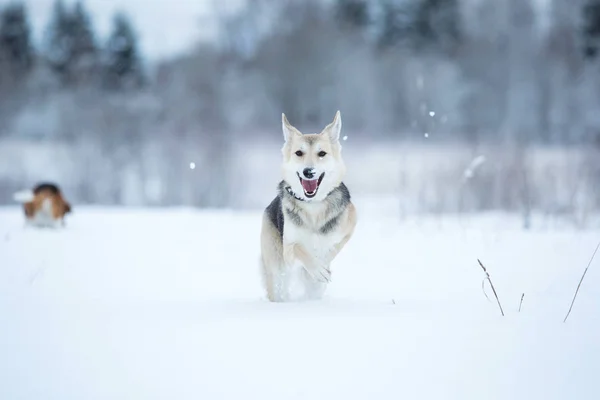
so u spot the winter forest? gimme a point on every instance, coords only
(448, 105)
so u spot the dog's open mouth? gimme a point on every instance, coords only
(311, 186)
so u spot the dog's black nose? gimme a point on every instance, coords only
(309, 173)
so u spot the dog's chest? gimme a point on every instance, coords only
(318, 236)
(43, 216)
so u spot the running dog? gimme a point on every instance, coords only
(310, 220)
(44, 206)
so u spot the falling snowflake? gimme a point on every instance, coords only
(473, 166)
(426, 135)
(432, 113)
(345, 138)
(192, 165)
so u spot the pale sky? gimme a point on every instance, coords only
(165, 27)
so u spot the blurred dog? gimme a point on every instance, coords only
(312, 217)
(44, 206)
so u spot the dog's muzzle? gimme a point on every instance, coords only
(310, 186)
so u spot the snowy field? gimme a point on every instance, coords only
(167, 304)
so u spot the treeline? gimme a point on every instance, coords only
(428, 71)
(508, 71)
(489, 70)
(70, 57)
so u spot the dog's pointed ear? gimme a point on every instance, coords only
(288, 129)
(334, 129)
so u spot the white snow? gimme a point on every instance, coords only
(23, 196)
(432, 113)
(167, 304)
(192, 165)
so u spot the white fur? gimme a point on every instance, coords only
(335, 128)
(305, 284)
(43, 218)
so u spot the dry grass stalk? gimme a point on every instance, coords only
(521, 302)
(580, 281)
(487, 276)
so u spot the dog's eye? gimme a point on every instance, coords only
(322, 154)
(299, 153)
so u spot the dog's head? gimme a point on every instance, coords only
(312, 163)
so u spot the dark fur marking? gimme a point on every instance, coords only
(338, 200)
(283, 189)
(330, 225)
(51, 187)
(275, 214)
(344, 193)
(294, 216)
(311, 140)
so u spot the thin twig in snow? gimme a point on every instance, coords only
(487, 276)
(580, 281)
(34, 276)
(521, 303)
(483, 290)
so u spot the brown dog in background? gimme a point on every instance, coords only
(44, 206)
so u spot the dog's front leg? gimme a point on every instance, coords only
(318, 270)
(337, 248)
(349, 228)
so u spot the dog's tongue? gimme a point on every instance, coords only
(309, 186)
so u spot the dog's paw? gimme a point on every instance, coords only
(320, 273)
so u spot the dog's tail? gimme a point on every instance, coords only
(23, 196)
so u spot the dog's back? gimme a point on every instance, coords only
(46, 205)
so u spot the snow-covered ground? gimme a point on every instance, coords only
(167, 304)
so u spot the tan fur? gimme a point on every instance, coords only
(349, 224)
(271, 255)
